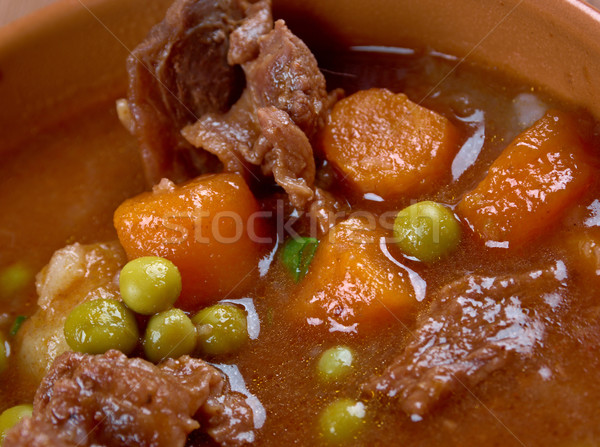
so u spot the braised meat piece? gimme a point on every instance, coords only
(186, 71)
(475, 326)
(111, 400)
(286, 75)
(244, 39)
(290, 158)
(177, 74)
(283, 105)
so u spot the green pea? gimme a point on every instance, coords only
(14, 278)
(427, 231)
(4, 351)
(96, 326)
(150, 284)
(222, 329)
(169, 334)
(342, 420)
(10, 417)
(335, 363)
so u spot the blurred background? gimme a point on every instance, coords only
(13, 9)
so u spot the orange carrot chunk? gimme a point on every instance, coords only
(351, 285)
(530, 184)
(387, 145)
(208, 228)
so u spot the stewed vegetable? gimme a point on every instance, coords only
(427, 231)
(19, 320)
(388, 145)
(222, 329)
(352, 283)
(209, 225)
(150, 284)
(11, 416)
(14, 279)
(298, 254)
(530, 185)
(336, 363)
(342, 420)
(169, 334)
(96, 326)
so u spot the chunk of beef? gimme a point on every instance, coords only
(245, 38)
(110, 400)
(286, 75)
(475, 326)
(283, 105)
(293, 169)
(233, 137)
(185, 72)
(179, 73)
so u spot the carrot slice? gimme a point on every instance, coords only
(351, 283)
(530, 184)
(209, 228)
(387, 145)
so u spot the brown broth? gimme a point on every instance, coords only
(60, 187)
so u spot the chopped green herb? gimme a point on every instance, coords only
(298, 254)
(17, 325)
(14, 278)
